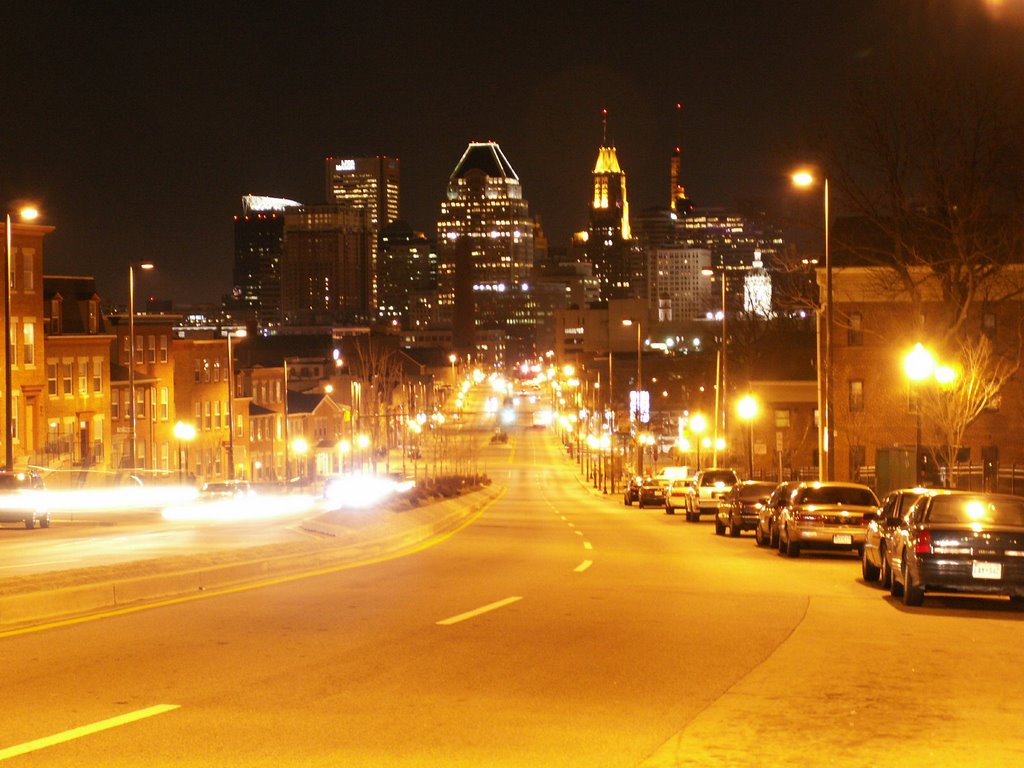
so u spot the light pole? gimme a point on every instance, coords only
(919, 364)
(184, 433)
(697, 425)
(827, 464)
(639, 393)
(131, 355)
(26, 214)
(747, 410)
(722, 386)
(451, 359)
(241, 333)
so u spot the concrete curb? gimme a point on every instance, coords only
(339, 544)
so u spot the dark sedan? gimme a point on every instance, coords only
(954, 541)
(631, 491)
(873, 564)
(738, 511)
(766, 531)
(652, 492)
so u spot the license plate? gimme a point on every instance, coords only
(842, 538)
(987, 570)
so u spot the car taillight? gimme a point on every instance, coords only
(923, 545)
(809, 518)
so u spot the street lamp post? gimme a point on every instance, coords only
(697, 425)
(231, 401)
(919, 364)
(722, 385)
(639, 393)
(132, 448)
(747, 410)
(184, 433)
(27, 214)
(827, 463)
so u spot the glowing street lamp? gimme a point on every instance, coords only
(26, 214)
(183, 433)
(919, 365)
(747, 410)
(697, 425)
(639, 392)
(826, 434)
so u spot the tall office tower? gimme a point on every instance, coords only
(617, 259)
(259, 240)
(325, 266)
(406, 265)
(485, 242)
(370, 183)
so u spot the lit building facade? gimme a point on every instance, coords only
(677, 286)
(485, 249)
(406, 267)
(326, 274)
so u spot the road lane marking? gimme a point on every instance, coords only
(587, 545)
(583, 566)
(478, 611)
(85, 730)
(418, 547)
(578, 533)
(572, 525)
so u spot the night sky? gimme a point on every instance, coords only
(137, 127)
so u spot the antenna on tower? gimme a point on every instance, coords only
(678, 201)
(604, 127)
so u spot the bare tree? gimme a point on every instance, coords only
(379, 370)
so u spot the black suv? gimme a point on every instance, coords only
(631, 492)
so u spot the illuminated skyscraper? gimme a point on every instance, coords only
(259, 241)
(370, 183)
(485, 241)
(617, 259)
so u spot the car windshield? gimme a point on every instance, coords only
(976, 509)
(861, 497)
(725, 476)
(755, 491)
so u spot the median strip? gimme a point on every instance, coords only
(85, 730)
(478, 611)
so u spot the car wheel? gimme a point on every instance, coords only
(773, 536)
(912, 594)
(44, 521)
(626, 501)
(669, 510)
(792, 548)
(884, 574)
(30, 522)
(868, 570)
(719, 528)
(779, 545)
(759, 538)
(895, 588)
(734, 530)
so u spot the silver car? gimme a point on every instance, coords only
(825, 516)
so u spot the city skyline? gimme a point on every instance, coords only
(138, 131)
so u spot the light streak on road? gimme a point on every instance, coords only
(85, 730)
(583, 566)
(242, 508)
(124, 498)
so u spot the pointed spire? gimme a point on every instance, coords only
(604, 127)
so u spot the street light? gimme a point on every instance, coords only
(919, 364)
(184, 433)
(240, 334)
(26, 214)
(721, 389)
(451, 359)
(826, 439)
(131, 354)
(639, 393)
(697, 425)
(747, 410)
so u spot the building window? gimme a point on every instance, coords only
(140, 403)
(94, 316)
(163, 347)
(83, 377)
(238, 425)
(139, 341)
(51, 379)
(216, 369)
(164, 404)
(196, 370)
(856, 395)
(199, 415)
(97, 375)
(855, 333)
(125, 351)
(781, 418)
(217, 414)
(208, 423)
(206, 370)
(165, 456)
(152, 403)
(13, 342)
(28, 264)
(115, 404)
(55, 315)
(151, 348)
(67, 373)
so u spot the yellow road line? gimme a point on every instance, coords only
(477, 611)
(257, 585)
(85, 730)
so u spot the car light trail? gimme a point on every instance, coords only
(484, 609)
(583, 566)
(241, 509)
(85, 730)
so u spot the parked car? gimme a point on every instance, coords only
(954, 541)
(677, 495)
(766, 532)
(226, 489)
(739, 509)
(23, 499)
(873, 565)
(652, 492)
(825, 516)
(708, 488)
(631, 490)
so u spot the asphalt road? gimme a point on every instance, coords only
(560, 628)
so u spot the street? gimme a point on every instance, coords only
(560, 628)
